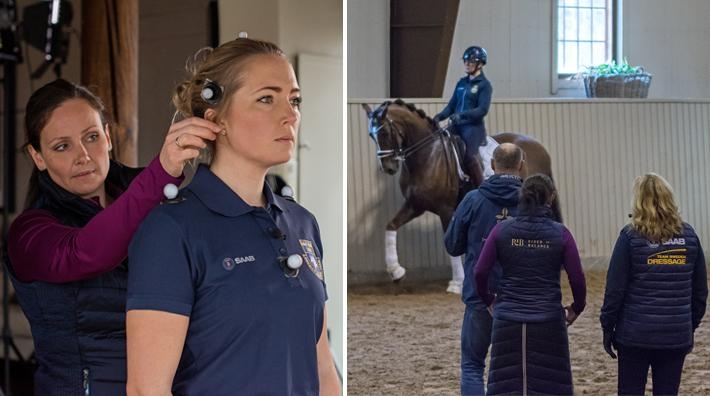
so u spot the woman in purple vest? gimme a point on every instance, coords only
(656, 291)
(530, 351)
(68, 248)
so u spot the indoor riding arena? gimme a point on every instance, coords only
(403, 338)
(612, 89)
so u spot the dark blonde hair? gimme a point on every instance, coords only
(224, 66)
(654, 212)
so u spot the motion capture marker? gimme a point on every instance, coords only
(242, 35)
(294, 261)
(170, 191)
(228, 263)
(287, 192)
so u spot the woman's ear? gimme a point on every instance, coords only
(108, 137)
(211, 115)
(36, 157)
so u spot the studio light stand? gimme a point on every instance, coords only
(50, 38)
(10, 57)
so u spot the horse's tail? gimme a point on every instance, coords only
(556, 212)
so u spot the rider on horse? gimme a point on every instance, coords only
(467, 107)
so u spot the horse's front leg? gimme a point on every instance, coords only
(403, 216)
(457, 275)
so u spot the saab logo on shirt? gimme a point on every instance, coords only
(309, 255)
(474, 89)
(229, 263)
(672, 241)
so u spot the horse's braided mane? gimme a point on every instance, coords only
(413, 109)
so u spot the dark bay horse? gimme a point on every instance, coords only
(429, 180)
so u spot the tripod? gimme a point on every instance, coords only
(9, 57)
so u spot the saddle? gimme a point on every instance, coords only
(485, 153)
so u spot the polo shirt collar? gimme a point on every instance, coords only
(218, 197)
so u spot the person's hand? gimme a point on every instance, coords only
(608, 336)
(455, 119)
(489, 307)
(437, 119)
(570, 315)
(184, 141)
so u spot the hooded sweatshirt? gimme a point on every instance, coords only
(495, 200)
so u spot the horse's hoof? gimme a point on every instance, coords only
(398, 273)
(454, 287)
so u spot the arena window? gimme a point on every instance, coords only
(586, 34)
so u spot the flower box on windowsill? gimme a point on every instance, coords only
(617, 86)
(616, 81)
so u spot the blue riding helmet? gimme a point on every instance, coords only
(475, 54)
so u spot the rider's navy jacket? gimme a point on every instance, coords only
(655, 292)
(471, 100)
(215, 259)
(478, 212)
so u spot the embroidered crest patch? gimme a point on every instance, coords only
(310, 257)
(474, 89)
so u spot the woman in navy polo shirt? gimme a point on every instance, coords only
(656, 291)
(68, 248)
(529, 346)
(226, 293)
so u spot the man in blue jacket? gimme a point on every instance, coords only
(478, 212)
(468, 105)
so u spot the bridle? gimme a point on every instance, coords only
(399, 153)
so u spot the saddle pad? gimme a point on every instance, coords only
(486, 153)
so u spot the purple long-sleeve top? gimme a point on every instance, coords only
(571, 264)
(43, 249)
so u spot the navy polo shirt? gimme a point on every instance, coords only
(214, 258)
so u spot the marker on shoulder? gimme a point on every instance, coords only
(170, 191)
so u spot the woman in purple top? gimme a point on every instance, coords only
(68, 248)
(530, 351)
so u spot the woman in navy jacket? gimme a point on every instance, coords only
(656, 291)
(530, 351)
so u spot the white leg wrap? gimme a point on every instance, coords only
(396, 271)
(456, 282)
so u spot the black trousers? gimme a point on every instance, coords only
(666, 367)
(473, 136)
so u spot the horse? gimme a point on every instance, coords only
(430, 177)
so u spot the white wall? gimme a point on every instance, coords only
(368, 48)
(516, 35)
(668, 38)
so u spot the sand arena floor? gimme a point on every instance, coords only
(404, 340)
